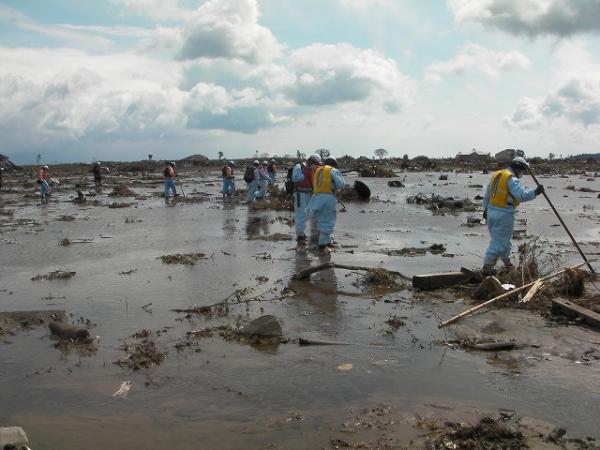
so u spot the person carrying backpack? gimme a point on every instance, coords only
(169, 175)
(263, 181)
(43, 177)
(302, 177)
(251, 177)
(228, 177)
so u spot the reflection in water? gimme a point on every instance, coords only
(257, 224)
(321, 291)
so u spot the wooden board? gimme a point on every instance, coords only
(590, 317)
(438, 280)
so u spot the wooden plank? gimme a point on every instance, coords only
(438, 280)
(571, 309)
(534, 290)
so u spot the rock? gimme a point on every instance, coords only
(264, 326)
(443, 177)
(66, 331)
(12, 436)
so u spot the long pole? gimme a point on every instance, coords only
(563, 223)
(500, 297)
(181, 186)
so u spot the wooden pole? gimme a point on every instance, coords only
(500, 297)
(563, 223)
(305, 273)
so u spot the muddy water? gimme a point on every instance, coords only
(230, 396)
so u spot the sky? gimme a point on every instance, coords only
(121, 79)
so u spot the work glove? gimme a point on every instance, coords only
(485, 214)
(539, 190)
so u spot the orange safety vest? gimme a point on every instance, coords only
(305, 185)
(499, 193)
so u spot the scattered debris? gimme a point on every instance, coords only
(344, 367)
(123, 389)
(55, 275)
(120, 205)
(395, 322)
(183, 258)
(142, 354)
(271, 237)
(12, 321)
(489, 433)
(65, 331)
(122, 191)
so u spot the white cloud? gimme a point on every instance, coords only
(577, 101)
(476, 58)
(331, 74)
(531, 17)
(66, 94)
(228, 29)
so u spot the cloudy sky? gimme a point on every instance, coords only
(118, 79)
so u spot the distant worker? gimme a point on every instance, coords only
(323, 203)
(1, 173)
(228, 177)
(43, 177)
(272, 171)
(97, 170)
(302, 177)
(502, 196)
(169, 175)
(263, 181)
(251, 176)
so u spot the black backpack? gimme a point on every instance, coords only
(249, 174)
(289, 184)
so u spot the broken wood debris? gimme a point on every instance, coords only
(505, 295)
(571, 309)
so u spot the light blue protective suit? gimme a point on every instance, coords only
(323, 206)
(170, 186)
(263, 180)
(301, 199)
(501, 222)
(228, 186)
(44, 189)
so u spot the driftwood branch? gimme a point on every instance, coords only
(305, 273)
(505, 295)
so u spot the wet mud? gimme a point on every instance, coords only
(509, 375)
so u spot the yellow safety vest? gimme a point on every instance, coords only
(499, 193)
(322, 180)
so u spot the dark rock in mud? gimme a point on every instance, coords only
(395, 183)
(265, 326)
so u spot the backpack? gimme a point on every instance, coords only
(224, 171)
(249, 174)
(166, 172)
(289, 184)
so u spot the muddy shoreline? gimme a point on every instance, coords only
(399, 384)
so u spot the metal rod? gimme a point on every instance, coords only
(562, 223)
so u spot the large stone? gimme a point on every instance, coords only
(12, 435)
(264, 326)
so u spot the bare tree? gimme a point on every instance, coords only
(323, 153)
(381, 153)
(220, 155)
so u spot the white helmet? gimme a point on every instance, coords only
(45, 167)
(255, 162)
(98, 163)
(519, 163)
(314, 158)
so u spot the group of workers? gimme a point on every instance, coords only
(315, 183)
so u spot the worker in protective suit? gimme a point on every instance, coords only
(502, 196)
(228, 179)
(252, 185)
(302, 177)
(326, 181)
(263, 181)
